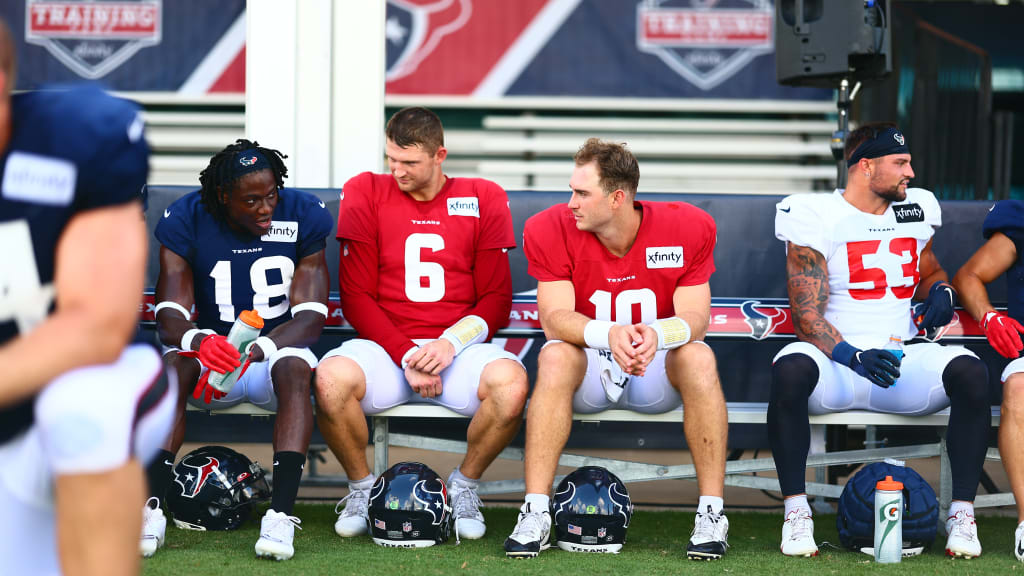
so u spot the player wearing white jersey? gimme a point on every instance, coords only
(855, 260)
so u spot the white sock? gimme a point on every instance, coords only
(795, 502)
(458, 475)
(538, 502)
(363, 483)
(958, 505)
(714, 503)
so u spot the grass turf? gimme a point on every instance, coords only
(656, 546)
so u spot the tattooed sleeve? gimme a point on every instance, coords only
(807, 283)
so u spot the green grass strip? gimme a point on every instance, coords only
(656, 545)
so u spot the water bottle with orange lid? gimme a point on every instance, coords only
(888, 521)
(246, 328)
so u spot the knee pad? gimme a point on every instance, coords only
(794, 377)
(967, 378)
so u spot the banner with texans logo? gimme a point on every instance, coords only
(470, 48)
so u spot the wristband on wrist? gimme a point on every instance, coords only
(190, 334)
(266, 345)
(672, 332)
(595, 334)
(173, 306)
(470, 329)
(311, 306)
(844, 353)
(405, 357)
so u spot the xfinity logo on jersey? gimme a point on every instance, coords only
(281, 231)
(664, 257)
(39, 179)
(908, 213)
(464, 207)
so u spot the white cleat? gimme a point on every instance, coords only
(354, 519)
(277, 531)
(962, 541)
(469, 521)
(154, 526)
(798, 534)
(530, 535)
(1018, 542)
(710, 536)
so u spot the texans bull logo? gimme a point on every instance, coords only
(763, 320)
(414, 28)
(623, 505)
(437, 506)
(193, 482)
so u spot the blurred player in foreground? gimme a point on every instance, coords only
(80, 412)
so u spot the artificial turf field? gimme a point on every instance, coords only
(656, 544)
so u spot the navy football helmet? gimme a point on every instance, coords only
(215, 488)
(591, 511)
(855, 518)
(409, 507)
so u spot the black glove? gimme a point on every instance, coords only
(937, 309)
(881, 367)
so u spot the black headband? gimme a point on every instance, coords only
(885, 142)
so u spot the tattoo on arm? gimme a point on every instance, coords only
(808, 289)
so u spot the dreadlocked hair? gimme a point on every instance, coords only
(218, 175)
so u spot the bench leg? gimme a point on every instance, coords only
(380, 445)
(945, 482)
(818, 447)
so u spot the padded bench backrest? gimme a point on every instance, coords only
(749, 261)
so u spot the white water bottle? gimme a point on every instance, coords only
(895, 346)
(246, 328)
(888, 521)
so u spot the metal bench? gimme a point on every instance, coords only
(738, 472)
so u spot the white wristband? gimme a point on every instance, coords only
(173, 306)
(595, 334)
(405, 357)
(672, 332)
(311, 306)
(190, 334)
(468, 330)
(266, 345)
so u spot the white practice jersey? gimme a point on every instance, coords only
(873, 260)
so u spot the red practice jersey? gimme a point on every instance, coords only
(427, 251)
(674, 247)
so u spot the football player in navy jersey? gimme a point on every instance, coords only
(243, 242)
(80, 412)
(1002, 254)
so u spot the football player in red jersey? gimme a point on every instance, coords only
(624, 301)
(425, 280)
(81, 410)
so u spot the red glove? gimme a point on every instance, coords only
(1003, 333)
(216, 353)
(205, 391)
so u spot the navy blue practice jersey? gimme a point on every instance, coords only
(72, 149)
(1008, 217)
(232, 272)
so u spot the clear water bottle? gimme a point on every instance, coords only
(246, 328)
(895, 346)
(888, 521)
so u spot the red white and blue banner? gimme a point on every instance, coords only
(471, 48)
